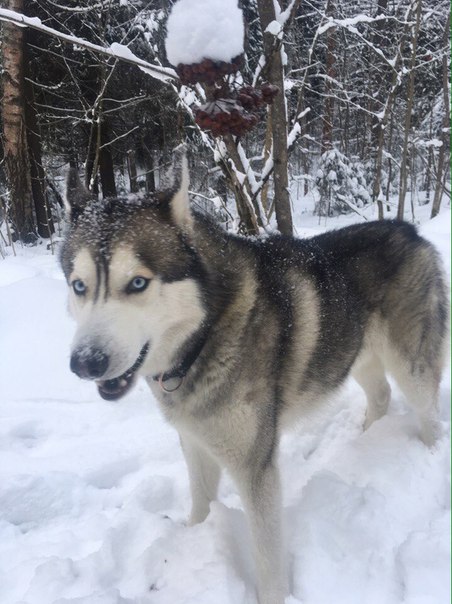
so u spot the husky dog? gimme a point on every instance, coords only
(239, 337)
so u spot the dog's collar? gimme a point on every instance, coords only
(169, 384)
(171, 380)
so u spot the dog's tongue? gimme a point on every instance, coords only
(111, 390)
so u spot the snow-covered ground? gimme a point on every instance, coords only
(94, 495)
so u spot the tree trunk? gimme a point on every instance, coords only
(150, 173)
(376, 186)
(90, 177)
(267, 152)
(378, 75)
(409, 109)
(37, 174)
(443, 154)
(132, 169)
(107, 172)
(275, 74)
(249, 218)
(17, 165)
(389, 100)
(323, 206)
(99, 162)
(390, 163)
(328, 111)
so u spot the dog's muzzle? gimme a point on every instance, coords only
(92, 364)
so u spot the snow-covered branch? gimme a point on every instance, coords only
(351, 22)
(115, 51)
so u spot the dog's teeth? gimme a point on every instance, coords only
(123, 383)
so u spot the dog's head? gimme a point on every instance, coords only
(134, 281)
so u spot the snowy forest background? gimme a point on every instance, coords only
(94, 495)
(365, 118)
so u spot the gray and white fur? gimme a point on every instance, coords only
(238, 338)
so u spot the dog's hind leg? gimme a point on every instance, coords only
(415, 357)
(204, 474)
(416, 307)
(420, 385)
(369, 372)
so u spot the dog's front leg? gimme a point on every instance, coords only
(261, 496)
(204, 474)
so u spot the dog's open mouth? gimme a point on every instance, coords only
(111, 390)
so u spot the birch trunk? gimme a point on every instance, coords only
(17, 165)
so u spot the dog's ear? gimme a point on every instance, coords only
(77, 196)
(179, 202)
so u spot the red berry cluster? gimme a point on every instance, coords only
(225, 116)
(235, 115)
(208, 71)
(253, 98)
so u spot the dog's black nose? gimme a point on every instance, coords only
(89, 363)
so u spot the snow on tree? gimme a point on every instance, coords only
(104, 95)
(341, 184)
(204, 29)
(207, 55)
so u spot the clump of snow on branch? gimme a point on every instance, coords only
(204, 29)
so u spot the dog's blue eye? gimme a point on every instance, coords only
(79, 287)
(138, 284)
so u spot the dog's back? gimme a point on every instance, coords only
(365, 299)
(383, 307)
